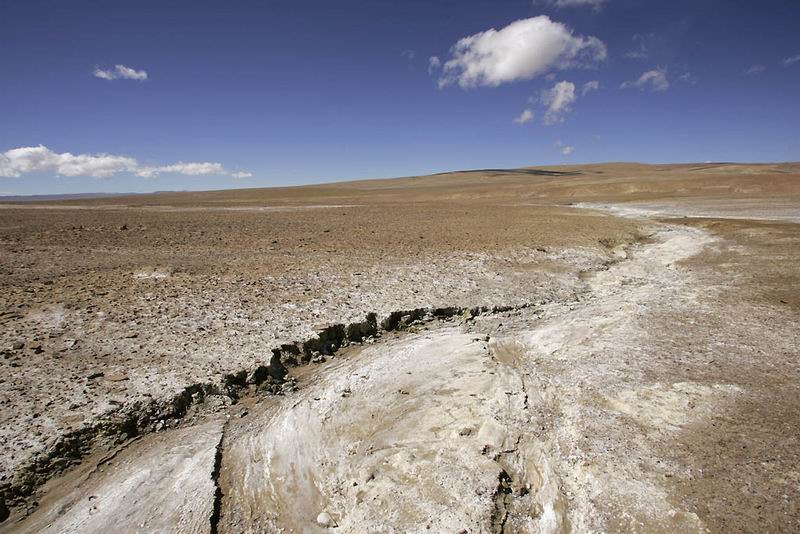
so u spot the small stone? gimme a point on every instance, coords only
(116, 377)
(324, 519)
(94, 375)
(17, 345)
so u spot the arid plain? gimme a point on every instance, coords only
(587, 348)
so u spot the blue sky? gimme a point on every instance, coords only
(254, 93)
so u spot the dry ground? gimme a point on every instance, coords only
(660, 371)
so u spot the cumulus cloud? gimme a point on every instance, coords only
(525, 116)
(521, 51)
(756, 69)
(655, 79)
(23, 160)
(18, 161)
(559, 100)
(120, 72)
(791, 60)
(588, 87)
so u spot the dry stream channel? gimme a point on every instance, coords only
(526, 420)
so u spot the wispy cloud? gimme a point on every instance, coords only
(756, 69)
(524, 117)
(24, 160)
(559, 100)
(641, 46)
(594, 4)
(791, 60)
(655, 79)
(564, 149)
(120, 72)
(434, 64)
(522, 50)
(588, 87)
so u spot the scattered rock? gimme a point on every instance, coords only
(95, 375)
(17, 345)
(324, 519)
(116, 377)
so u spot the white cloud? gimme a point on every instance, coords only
(791, 60)
(104, 74)
(641, 48)
(120, 71)
(18, 161)
(559, 100)
(192, 169)
(594, 4)
(655, 79)
(564, 149)
(522, 50)
(434, 63)
(756, 69)
(525, 116)
(588, 87)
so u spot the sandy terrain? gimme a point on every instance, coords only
(633, 366)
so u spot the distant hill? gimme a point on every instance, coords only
(66, 196)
